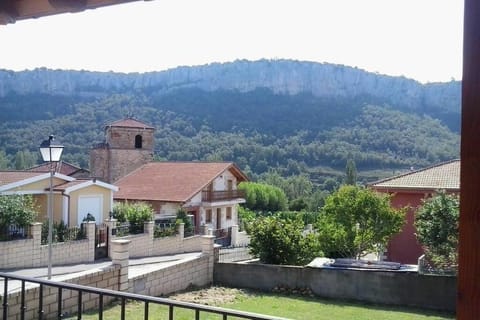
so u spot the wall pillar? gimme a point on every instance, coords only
(89, 227)
(120, 256)
(234, 235)
(208, 250)
(181, 231)
(36, 234)
(148, 227)
(111, 225)
(204, 230)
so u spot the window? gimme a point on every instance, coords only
(208, 216)
(229, 213)
(138, 141)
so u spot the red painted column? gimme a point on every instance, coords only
(468, 299)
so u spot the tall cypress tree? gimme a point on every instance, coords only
(350, 172)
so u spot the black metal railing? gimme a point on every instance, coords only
(212, 196)
(62, 233)
(13, 232)
(123, 297)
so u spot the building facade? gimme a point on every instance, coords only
(128, 145)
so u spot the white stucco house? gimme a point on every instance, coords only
(205, 190)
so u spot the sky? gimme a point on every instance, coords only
(418, 39)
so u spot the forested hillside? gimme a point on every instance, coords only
(289, 116)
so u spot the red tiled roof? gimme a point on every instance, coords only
(7, 177)
(441, 176)
(62, 167)
(171, 181)
(129, 123)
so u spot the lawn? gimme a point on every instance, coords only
(287, 306)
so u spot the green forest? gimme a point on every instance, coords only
(262, 130)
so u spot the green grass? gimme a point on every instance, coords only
(293, 307)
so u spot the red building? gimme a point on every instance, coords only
(409, 190)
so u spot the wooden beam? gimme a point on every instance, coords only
(468, 299)
(14, 10)
(8, 12)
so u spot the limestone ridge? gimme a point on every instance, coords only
(280, 76)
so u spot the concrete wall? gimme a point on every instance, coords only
(29, 253)
(393, 288)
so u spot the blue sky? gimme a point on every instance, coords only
(419, 39)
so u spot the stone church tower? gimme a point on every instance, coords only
(128, 145)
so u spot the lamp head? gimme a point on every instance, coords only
(51, 151)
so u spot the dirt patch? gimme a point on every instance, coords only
(212, 296)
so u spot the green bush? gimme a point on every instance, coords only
(355, 221)
(136, 214)
(281, 241)
(182, 217)
(437, 230)
(17, 210)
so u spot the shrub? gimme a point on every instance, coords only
(437, 230)
(17, 210)
(281, 241)
(355, 221)
(182, 217)
(136, 214)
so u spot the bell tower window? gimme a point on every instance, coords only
(138, 141)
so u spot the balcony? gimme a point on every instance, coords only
(214, 196)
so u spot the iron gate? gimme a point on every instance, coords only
(101, 241)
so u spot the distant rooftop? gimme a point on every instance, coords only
(445, 175)
(129, 123)
(62, 167)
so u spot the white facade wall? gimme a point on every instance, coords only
(168, 209)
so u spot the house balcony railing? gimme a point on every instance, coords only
(214, 196)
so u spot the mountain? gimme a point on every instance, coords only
(298, 117)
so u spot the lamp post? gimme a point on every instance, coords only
(51, 153)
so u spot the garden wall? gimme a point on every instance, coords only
(383, 287)
(145, 244)
(30, 253)
(163, 280)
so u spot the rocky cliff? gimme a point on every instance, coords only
(280, 76)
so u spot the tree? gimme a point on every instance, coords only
(263, 197)
(16, 210)
(281, 241)
(355, 221)
(350, 172)
(4, 162)
(437, 229)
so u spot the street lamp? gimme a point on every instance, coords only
(51, 153)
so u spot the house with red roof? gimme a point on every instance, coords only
(206, 190)
(62, 167)
(408, 190)
(73, 198)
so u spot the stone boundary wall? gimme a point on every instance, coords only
(197, 271)
(106, 278)
(30, 253)
(145, 245)
(382, 287)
